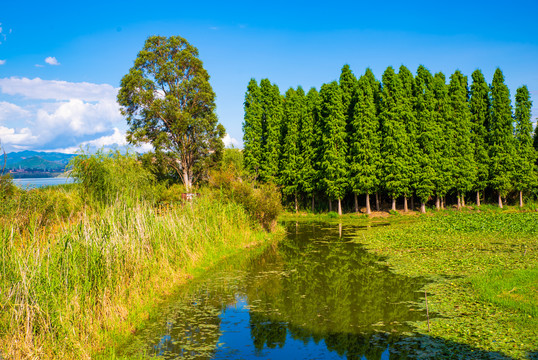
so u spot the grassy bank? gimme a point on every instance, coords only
(69, 290)
(485, 271)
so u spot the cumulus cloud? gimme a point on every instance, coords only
(18, 139)
(51, 60)
(56, 90)
(59, 114)
(230, 141)
(10, 111)
(2, 62)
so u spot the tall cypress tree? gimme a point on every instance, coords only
(480, 118)
(464, 171)
(252, 129)
(333, 162)
(364, 143)
(394, 146)
(348, 85)
(501, 137)
(444, 178)
(428, 134)
(309, 145)
(290, 160)
(271, 118)
(408, 116)
(526, 155)
(375, 85)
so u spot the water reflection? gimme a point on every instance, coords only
(314, 295)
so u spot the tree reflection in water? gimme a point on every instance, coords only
(314, 294)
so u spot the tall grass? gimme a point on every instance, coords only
(82, 266)
(62, 294)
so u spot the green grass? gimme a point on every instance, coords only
(76, 288)
(516, 289)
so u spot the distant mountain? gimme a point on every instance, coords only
(36, 160)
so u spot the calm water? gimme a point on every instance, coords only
(315, 295)
(32, 183)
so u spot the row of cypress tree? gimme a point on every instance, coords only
(406, 136)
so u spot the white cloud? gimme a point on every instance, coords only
(51, 60)
(9, 111)
(23, 137)
(228, 141)
(2, 62)
(56, 90)
(39, 65)
(117, 138)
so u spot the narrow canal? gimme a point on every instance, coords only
(317, 294)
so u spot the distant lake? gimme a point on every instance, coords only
(31, 183)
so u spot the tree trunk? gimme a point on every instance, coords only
(412, 203)
(186, 180)
(520, 198)
(442, 202)
(356, 203)
(296, 204)
(330, 205)
(459, 201)
(423, 207)
(393, 204)
(477, 198)
(463, 199)
(312, 203)
(376, 201)
(437, 202)
(368, 211)
(339, 207)
(500, 200)
(405, 203)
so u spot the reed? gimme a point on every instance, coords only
(72, 290)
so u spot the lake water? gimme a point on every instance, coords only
(31, 183)
(317, 294)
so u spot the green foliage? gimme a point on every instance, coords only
(156, 162)
(261, 201)
(169, 103)
(502, 150)
(290, 159)
(233, 159)
(332, 215)
(107, 177)
(272, 113)
(348, 85)
(364, 141)
(479, 105)
(395, 140)
(464, 167)
(308, 146)
(333, 157)
(252, 128)
(524, 174)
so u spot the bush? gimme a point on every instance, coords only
(261, 201)
(107, 177)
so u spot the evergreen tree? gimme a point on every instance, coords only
(294, 112)
(309, 145)
(480, 118)
(271, 135)
(444, 167)
(408, 116)
(428, 134)
(464, 169)
(375, 85)
(348, 85)
(394, 146)
(526, 155)
(501, 137)
(364, 144)
(333, 161)
(252, 129)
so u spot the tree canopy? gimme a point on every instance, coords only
(169, 103)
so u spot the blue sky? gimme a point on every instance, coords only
(61, 62)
